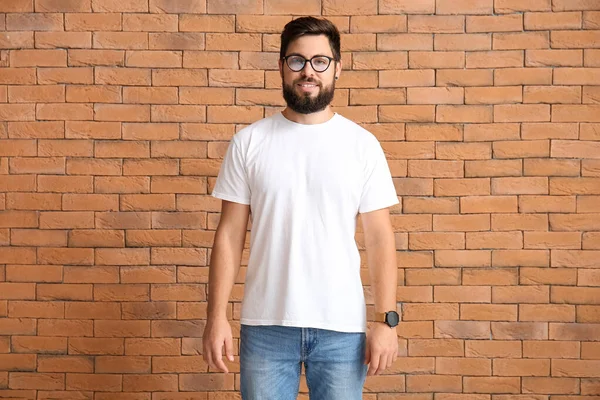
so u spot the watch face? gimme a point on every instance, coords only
(392, 318)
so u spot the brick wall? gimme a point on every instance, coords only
(115, 115)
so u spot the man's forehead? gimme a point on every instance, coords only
(310, 45)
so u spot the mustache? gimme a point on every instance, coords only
(307, 80)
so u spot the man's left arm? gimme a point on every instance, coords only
(382, 340)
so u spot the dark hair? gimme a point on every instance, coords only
(310, 26)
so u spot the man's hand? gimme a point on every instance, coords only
(382, 348)
(217, 334)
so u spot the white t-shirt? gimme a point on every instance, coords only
(305, 185)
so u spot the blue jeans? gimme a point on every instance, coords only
(271, 358)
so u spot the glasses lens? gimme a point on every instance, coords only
(295, 63)
(320, 64)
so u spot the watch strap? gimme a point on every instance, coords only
(380, 316)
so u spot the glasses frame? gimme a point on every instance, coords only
(308, 60)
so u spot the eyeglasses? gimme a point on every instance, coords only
(318, 63)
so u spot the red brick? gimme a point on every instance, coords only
(405, 41)
(155, 59)
(522, 76)
(96, 57)
(64, 292)
(16, 6)
(551, 385)
(18, 255)
(500, 276)
(122, 112)
(122, 364)
(407, 7)
(555, 20)
(32, 201)
(496, 23)
(18, 148)
(570, 186)
(93, 22)
(93, 130)
(34, 273)
(98, 346)
(522, 331)
(511, 6)
(167, 328)
(464, 7)
(94, 382)
(127, 6)
(95, 94)
(61, 327)
(122, 257)
(39, 58)
(53, 363)
(66, 220)
(419, 312)
(39, 344)
(63, 6)
(210, 59)
(433, 383)
(122, 76)
(493, 349)
(122, 184)
(178, 113)
(521, 40)
(153, 310)
(550, 349)
(225, 23)
(121, 328)
(463, 366)
(34, 22)
(166, 6)
(93, 274)
(492, 385)
(522, 149)
(555, 58)
(150, 22)
(48, 40)
(18, 219)
(435, 24)
(573, 39)
(37, 380)
(488, 312)
(561, 5)
(32, 237)
(154, 346)
(576, 368)
(152, 167)
(177, 41)
(528, 258)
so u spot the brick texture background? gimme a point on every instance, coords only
(114, 117)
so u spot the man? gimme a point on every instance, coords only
(305, 174)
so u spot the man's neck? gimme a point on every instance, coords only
(309, 119)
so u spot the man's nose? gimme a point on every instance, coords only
(308, 69)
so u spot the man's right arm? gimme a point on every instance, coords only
(224, 267)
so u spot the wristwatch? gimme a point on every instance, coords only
(391, 318)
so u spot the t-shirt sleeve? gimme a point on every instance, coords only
(232, 181)
(378, 191)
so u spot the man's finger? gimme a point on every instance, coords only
(382, 364)
(367, 354)
(229, 348)
(390, 361)
(217, 357)
(374, 364)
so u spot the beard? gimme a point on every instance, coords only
(305, 103)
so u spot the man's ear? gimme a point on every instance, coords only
(338, 69)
